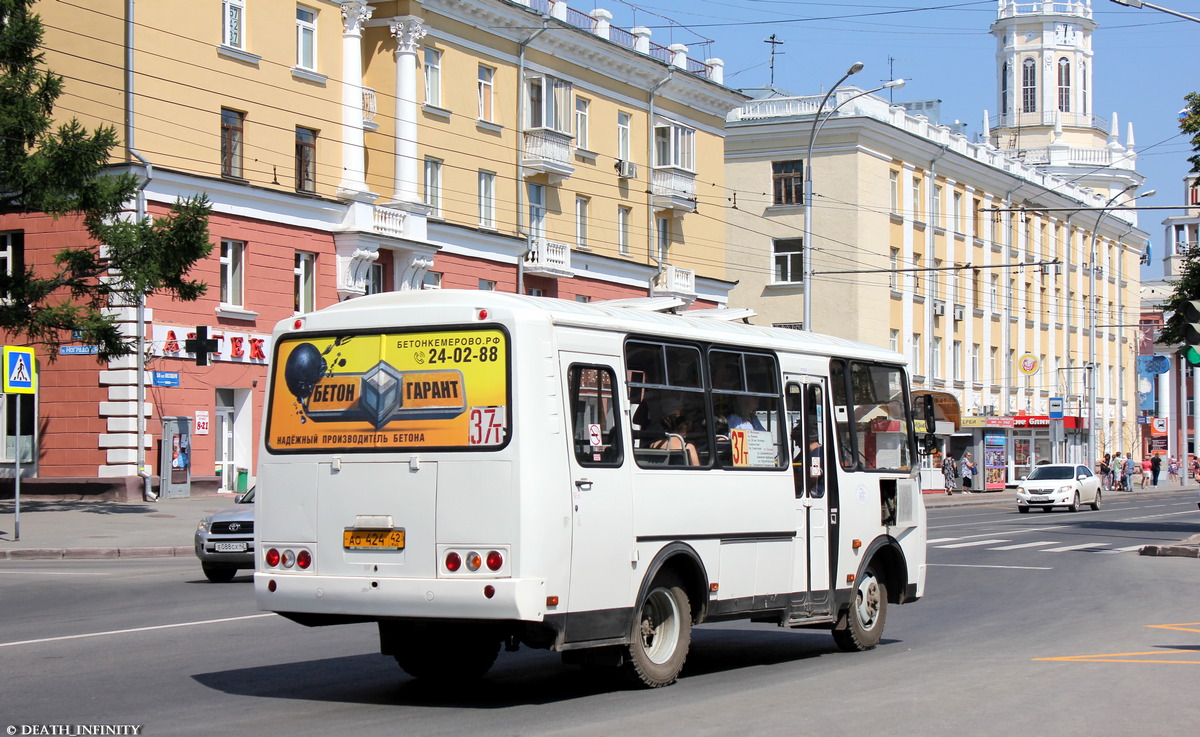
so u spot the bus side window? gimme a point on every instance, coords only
(595, 430)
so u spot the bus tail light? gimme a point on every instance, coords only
(495, 561)
(272, 558)
(453, 561)
(303, 560)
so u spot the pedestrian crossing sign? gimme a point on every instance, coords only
(20, 370)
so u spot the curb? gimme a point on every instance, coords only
(1170, 551)
(96, 553)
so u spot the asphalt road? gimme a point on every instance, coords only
(1045, 624)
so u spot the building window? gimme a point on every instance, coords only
(1029, 86)
(433, 77)
(624, 215)
(994, 294)
(548, 104)
(581, 222)
(894, 341)
(789, 259)
(916, 196)
(662, 231)
(1004, 89)
(232, 256)
(914, 357)
(788, 180)
(1064, 85)
(994, 364)
(433, 186)
(487, 199)
(487, 91)
(935, 367)
(375, 279)
(957, 359)
(1083, 88)
(581, 123)
(935, 280)
(624, 135)
(675, 145)
(582, 298)
(957, 213)
(894, 269)
(916, 275)
(535, 292)
(975, 362)
(487, 285)
(894, 190)
(306, 159)
(305, 282)
(935, 207)
(233, 23)
(432, 280)
(232, 127)
(537, 210)
(306, 38)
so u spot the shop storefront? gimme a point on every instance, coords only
(1012, 446)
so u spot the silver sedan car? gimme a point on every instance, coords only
(225, 540)
(1059, 485)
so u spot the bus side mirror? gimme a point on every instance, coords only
(930, 442)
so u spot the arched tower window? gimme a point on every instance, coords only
(1029, 86)
(1083, 87)
(1064, 85)
(1004, 109)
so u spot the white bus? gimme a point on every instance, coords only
(477, 469)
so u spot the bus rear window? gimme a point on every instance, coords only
(443, 389)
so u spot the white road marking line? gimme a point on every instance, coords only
(972, 544)
(1006, 568)
(57, 573)
(1119, 550)
(942, 540)
(1069, 548)
(136, 629)
(1026, 545)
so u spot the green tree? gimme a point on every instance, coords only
(1187, 288)
(64, 171)
(1189, 122)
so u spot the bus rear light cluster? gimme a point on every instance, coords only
(288, 558)
(473, 561)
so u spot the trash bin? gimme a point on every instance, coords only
(243, 479)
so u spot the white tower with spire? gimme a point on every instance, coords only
(1044, 64)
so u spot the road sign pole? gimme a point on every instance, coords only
(17, 482)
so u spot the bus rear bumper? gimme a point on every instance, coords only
(521, 599)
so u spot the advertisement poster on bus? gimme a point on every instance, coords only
(372, 392)
(995, 460)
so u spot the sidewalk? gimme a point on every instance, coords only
(108, 530)
(101, 529)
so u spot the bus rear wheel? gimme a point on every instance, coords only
(443, 654)
(662, 633)
(861, 626)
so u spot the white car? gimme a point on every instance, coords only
(1059, 485)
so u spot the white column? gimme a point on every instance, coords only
(1195, 415)
(355, 14)
(408, 31)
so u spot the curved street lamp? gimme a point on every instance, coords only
(1093, 425)
(818, 123)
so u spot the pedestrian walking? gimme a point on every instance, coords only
(1173, 470)
(968, 473)
(1118, 469)
(1106, 472)
(1196, 469)
(1145, 472)
(1130, 469)
(949, 473)
(1155, 468)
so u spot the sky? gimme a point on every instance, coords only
(1144, 62)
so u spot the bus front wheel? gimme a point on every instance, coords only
(662, 633)
(861, 626)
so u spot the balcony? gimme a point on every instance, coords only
(673, 189)
(369, 110)
(548, 152)
(548, 258)
(675, 282)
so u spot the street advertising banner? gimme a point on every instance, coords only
(995, 460)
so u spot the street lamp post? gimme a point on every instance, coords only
(818, 122)
(1092, 424)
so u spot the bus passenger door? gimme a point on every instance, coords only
(806, 409)
(601, 499)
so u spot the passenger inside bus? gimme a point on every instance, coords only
(744, 415)
(679, 425)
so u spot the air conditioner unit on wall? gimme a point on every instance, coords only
(959, 314)
(626, 169)
(939, 308)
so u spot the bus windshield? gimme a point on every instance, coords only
(872, 416)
